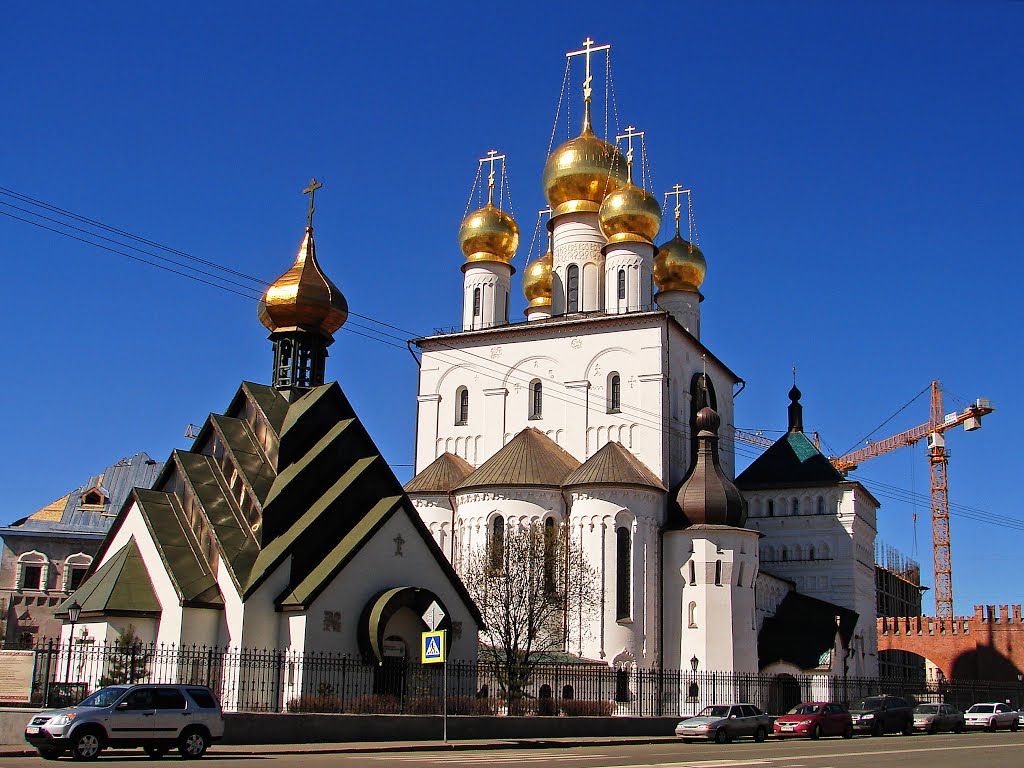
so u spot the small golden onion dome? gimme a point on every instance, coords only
(489, 234)
(537, 281)
(583, 171)
(679, 266)
(630, 213)
(303, 297)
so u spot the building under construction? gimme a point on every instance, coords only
(899, 593)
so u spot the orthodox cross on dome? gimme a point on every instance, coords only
(314, 185)
(677, 192)
(631, 131)
(492, 158)
(588, 48)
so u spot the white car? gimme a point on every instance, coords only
(991, 716)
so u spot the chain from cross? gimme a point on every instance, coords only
(630, 133)
(314, 185)
(492, 158)
(588, 48)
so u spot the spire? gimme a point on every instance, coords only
(796, 411)
(707, 496)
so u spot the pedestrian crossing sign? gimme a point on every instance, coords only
(432, 647)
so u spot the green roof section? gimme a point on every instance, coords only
(120, 586)
(792, 461)
(247, 456)
(271, 403)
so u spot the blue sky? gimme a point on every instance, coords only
(857, 171)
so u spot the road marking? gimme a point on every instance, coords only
(492, 756)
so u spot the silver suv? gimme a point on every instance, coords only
(155, 717)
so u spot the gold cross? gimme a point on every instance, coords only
(492, 158)
(677, 191)
(314, 185)
(588, 48)
(631, 131)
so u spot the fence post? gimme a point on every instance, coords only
(46, 674)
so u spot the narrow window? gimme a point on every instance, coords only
(622, 583)
(693, 574)
(692, 616)
(622, 284)
(75, 578)
(622, 685)
(796, 506)
(31, 576)
(771, 508)
(739, 579)
(497, 542)
(506, 309)
(821, 505)
(785, 555)
(718, 573)
(462, 407)
(476, 302)
(614, 394)
(810, 554)
(572, 292)
(536, 400)
(550, 554)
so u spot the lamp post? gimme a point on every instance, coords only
(694, 692)
(74, 611)
(1020, 692)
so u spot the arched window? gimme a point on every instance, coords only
(75, 568)
(810, 553)
(567, 692)
(739, 578)
(622, 581)
(622, 284)
(622, 685)
(497, 543)
(785, 554)
(550, 555)
(771, 508)
(33, 571)
(693, 574)
(795, 506)
(692, 611)
(476, 302)
(718, 573)
(821, 505)
(461, 406)
(572, 289)
(614, 393)
(536, 399)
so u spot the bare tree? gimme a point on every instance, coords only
(526, 582)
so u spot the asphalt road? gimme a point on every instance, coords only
(993, 750)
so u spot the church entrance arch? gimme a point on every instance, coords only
(783, 694)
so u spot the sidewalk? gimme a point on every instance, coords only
(355, 747)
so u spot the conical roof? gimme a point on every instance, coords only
(707, 496)
(441, 475)
(614, 465)
(529, 458)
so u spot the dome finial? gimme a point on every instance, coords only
(796, 411)
(588, 92)
(631, 131)
(314, 185)
(488, 233)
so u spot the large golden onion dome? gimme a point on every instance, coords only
(630, 213)
(679, 266)
(537, 281)
(579, 174)
(489, 234)
(303, 297)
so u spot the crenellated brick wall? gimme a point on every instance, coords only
(986, 646)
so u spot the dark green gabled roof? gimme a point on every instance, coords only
(120, 586)
(792, 461)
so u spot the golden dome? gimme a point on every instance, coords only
(303, 297)
(679, 266)
(537, 281)
(583, 170)
(630, 213)
(489, 234)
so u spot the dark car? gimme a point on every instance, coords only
(883, 714)
(815, 719)
(932, 718)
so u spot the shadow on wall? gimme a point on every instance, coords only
(985, 663)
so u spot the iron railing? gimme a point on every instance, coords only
(282, 681)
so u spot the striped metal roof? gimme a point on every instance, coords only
(614, 465)
(529, 458)
(441, 475)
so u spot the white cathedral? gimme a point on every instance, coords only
(605, 413)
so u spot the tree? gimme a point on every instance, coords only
(128, 660)
(526, 582)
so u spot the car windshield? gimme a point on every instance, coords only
(717, 711)
(873, 703)
(104, 697)
(926, 709)
(804, 709)
(982, 708)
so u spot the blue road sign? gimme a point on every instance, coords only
(432, 647)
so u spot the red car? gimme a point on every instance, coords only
(815, 719)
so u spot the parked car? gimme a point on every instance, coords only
(991, 716)
(154, 717)
(883, 714)
(932, 718)
(1020, 716)
(815, 719)
(724, 722)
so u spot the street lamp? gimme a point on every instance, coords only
(695, 661)
(74, 611)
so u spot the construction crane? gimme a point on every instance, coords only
(938, 457)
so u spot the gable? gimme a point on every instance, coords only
(792, 461)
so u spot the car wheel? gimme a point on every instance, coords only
(156, 752)
(760, 734)
(816, 732)
(721, 736)
(848, 732)
(908, 728)
(958, 728)
(933, 728)
(991, 727)
(1014, 725)
(193, 743)
(86, 744)
(687, 741)
(50, 754)
(876, 728)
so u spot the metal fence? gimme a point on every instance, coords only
(280, 681)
